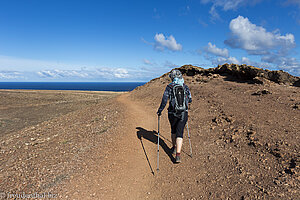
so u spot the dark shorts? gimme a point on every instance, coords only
(177, 124)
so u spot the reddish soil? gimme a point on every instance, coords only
(245, 140)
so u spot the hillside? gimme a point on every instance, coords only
(244, 124)
(243, 121)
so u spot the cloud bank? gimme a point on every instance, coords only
(99, 73)
(6, 74)
(256, 39)
(272, 47)
(57, 73)
(218, 56)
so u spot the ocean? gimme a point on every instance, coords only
(86, 86)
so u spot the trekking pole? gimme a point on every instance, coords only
(158, 146)
(187, 127)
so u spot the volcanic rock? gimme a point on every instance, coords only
(243, 72)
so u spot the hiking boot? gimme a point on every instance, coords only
(177, 159)
(173, 150)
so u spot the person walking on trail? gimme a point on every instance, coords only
(179, 96)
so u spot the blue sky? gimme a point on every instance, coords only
(135, 40)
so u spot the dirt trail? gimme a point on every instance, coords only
(125, 173)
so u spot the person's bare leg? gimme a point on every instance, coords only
(173, 136)
(178, 144)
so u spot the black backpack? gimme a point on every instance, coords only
(179, 98)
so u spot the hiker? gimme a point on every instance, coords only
(177, 114)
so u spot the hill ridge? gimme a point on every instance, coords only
(241, 72)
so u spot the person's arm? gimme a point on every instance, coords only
(189, 95)
(164, 100)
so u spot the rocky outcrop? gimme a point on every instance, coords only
(244, 72)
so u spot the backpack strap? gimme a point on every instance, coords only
(171, 85)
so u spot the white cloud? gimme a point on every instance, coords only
(4, 74)
(37, 69)
(226, 5)
(233, 60)
(111, 73)
(56, 73)
(121, 73)
(100, 74)
(214, 14)
(272, 47)
(221, 60)
(162, 42)
(218, 56)
(212, 49)
(247, 61)
(285, 63)
(47, 73)
(253, 38)
(106, 73)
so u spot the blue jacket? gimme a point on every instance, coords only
(168, 94)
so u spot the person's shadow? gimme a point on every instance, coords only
(152, 137)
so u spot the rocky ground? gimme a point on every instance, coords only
(24, 108)
(245, 137)
(244, 126)
(46, 135)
